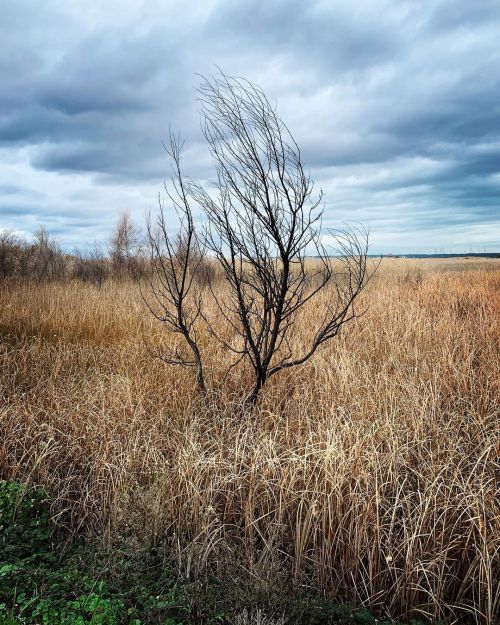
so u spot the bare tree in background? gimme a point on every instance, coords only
(10, 249)
(40, 260)
(125, 246)
(173, 296)
(262, 225)
(45, 258)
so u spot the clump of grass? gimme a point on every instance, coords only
(369, 475)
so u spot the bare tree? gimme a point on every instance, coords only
(10, 250)
(173, 296)
(263, 223)
(125, 246)
(46, 260)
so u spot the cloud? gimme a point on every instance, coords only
(394, 102)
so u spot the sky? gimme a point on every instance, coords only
(394, 103)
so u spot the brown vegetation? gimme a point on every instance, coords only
(369, 473)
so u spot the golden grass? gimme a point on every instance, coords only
(371, 473)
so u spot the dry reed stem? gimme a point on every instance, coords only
(371, 473)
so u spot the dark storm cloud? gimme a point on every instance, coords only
(323, 36)
(396, 105)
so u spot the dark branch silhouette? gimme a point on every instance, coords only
(263, 224)
(173, 296)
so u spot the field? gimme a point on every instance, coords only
(370, 474)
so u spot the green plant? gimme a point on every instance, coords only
(41, 585)
(36, 584)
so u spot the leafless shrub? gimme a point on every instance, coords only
(206, 273)
(44, 260)
(262, 224)
(92, 267)
(126, 248)
(174, 298)
(10, 252)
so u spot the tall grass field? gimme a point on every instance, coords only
(370, 474)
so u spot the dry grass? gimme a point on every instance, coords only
(371, 473)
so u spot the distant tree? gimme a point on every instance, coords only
(10, 251)
(262, 225)
(45, 259)
(125, 246)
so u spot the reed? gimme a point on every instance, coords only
(370, 474)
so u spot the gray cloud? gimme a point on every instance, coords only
(395, 102)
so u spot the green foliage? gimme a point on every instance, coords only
(39, 585)
(24, 522)
(8, 618)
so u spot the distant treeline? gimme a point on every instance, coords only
(44, 260)
(456, 255)
(126, 256)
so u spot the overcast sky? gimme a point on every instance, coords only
(396, 105)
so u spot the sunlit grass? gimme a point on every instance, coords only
(371, 473)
